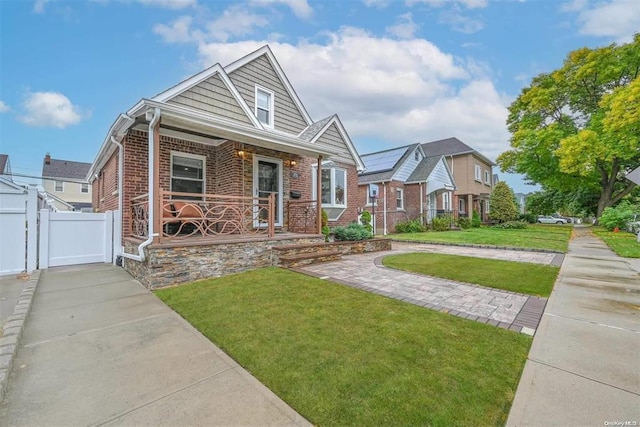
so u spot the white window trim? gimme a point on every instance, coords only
(82, 186)
(55, 185)
(400, 191)
(446, 201)
(487, 179)
(333, 189)
(272, 97)
(462, 203)
(478, 173)
(191, 156)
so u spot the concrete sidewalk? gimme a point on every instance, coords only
(98, 348)
(584, 364)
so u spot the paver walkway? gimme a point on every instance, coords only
(100, 349)
(496, 307)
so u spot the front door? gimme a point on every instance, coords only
(267, 180)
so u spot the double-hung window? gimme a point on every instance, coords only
(59, 186)
(187, 174)
(487, 179)
(478, 175)
(264, 106)
(399, 198)
(85, 188)
(334, 190)
(446, 201)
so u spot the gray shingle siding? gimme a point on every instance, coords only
(408, 166)
(440, 174)
(212, 96)
(259, 71)
(331, 138)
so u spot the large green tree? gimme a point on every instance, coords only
(579, 126)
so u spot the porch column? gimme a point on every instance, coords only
(470, 205)
(157, 218)
(319, 194)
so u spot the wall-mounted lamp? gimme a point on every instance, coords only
(240, 153)
(293, 163)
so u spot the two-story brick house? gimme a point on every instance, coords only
(213, 172)
(472, 172)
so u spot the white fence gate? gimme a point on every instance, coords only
(68, 238)
(18, 228)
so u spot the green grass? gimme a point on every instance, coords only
(533, 279)
(535, 236)
(341, 356)
(622, 243)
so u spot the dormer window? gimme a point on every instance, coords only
(264, 106)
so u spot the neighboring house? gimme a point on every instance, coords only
(67, 180)
(521, 200)
(53, 203)
(411, 186)
(5, 167)
(472, 173)
(213, 172)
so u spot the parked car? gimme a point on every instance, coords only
(557, 215)
(633, 226)
(548, 219)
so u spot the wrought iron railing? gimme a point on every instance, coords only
(302, 216)
(186, 214)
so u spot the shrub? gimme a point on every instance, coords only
(618, 216)
(475, 219)
(528, 217)
(411, 226)
(366, 220)
(352, 232)
(325, 225)
(511, 225)
(441, 223)
(464, 222)
(503, 206)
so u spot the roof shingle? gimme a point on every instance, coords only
(65, 169)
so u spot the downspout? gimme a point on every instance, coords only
(151, 135)
(384, 210)
(421, 207)
(120, 195)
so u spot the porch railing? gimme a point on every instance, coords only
(186, 214)
(302, 216)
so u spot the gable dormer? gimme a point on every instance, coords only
(267, 91)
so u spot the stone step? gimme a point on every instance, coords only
(290, 261)
(301, 248)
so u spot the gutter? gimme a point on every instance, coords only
(151, 135)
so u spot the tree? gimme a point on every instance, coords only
(503, 205)
(579, 127)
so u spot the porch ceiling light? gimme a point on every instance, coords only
(293, 162)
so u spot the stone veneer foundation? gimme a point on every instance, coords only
(172, 264)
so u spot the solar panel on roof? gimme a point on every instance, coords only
(383, 161)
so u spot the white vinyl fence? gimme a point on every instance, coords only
(18, 228)
(69, 238)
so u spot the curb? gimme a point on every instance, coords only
(472, 245)
(12, 330)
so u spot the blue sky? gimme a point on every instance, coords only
(397, 72)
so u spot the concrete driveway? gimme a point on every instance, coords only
(584, 364)
(98, 348)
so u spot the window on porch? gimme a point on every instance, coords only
(334, 190)
(187, 173)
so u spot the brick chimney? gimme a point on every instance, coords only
(47, 159)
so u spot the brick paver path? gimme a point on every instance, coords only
(505, 309)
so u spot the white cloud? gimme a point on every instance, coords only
(300, 8)
(234, 21)
(169, 4)
(380, 4)
(177, 32)
(38, 5)
(405, 28)
(4, 107)
(574, 6)
(469, 4)
(460, 22)
(401, 91)
(49, 109)
(618, 19)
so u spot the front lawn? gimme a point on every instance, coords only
(623, 243)
(526, 278)
(341, 356)
(535, 236)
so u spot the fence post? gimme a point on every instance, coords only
(44, 239)
(117, 235)
(32, 228)
(108, 238)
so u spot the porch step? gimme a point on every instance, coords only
(306, 258)
(288, 256)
